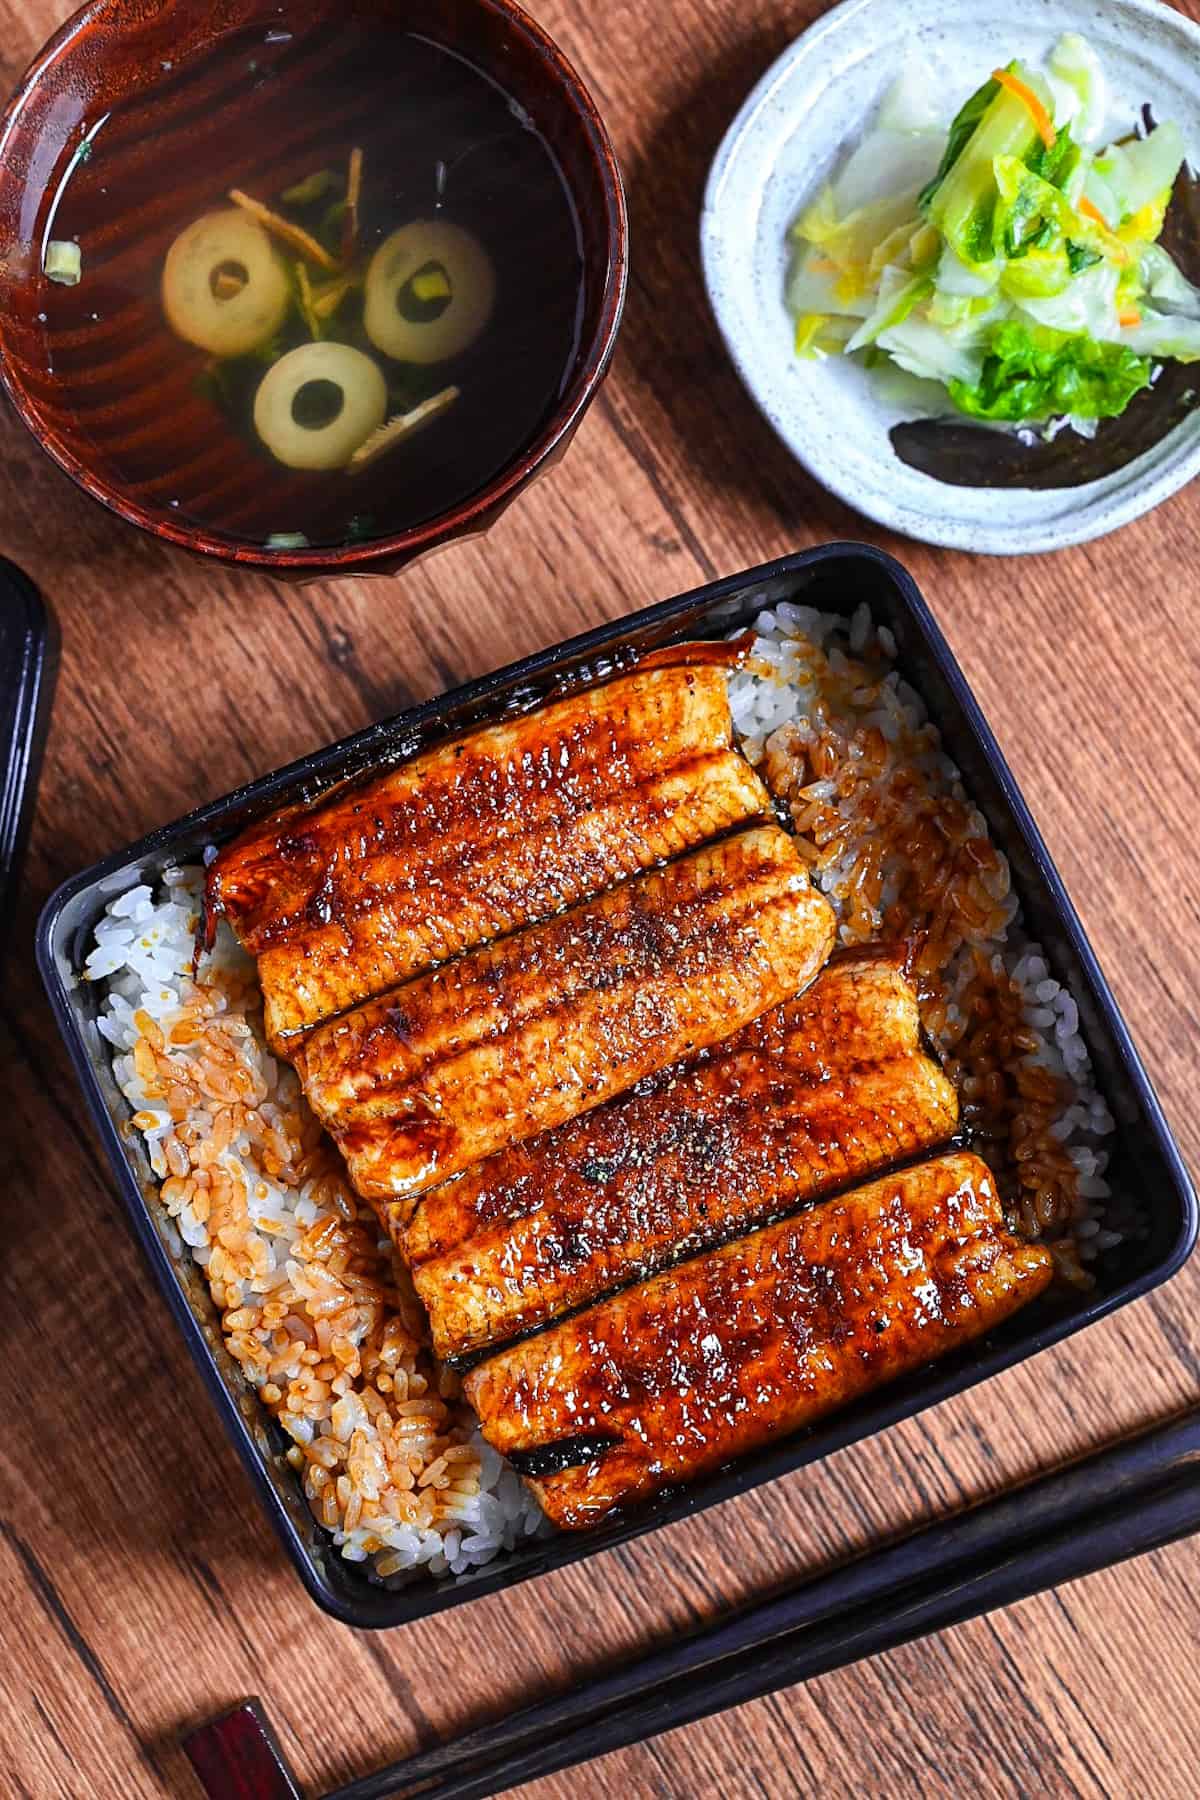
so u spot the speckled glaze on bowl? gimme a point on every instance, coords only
(113, 53)
(800, 122)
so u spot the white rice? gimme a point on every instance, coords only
(143, 950)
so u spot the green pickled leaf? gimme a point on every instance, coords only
(897, 298)
(964, 206)
(962, 128)
(1057, 165)
(1144, 169)
(1082, 91)
(1031, 212)
(1037, 274)
(1033, 373)
(1042, 239)
(1081, 257)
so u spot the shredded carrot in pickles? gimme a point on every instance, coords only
(1028, 99)
(1087, 209)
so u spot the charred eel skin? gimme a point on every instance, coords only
(819, 1093)
(719, 1355)
(506, 1041)
(386, 877)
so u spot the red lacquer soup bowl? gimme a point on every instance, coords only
(142, 115)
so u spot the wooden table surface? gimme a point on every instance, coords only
(140, 1589)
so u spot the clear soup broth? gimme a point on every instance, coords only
(377, 321)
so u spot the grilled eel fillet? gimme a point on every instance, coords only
(509, 1040)
(359, 891)
(719, 1355)
(817, 1093)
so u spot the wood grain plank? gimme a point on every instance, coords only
(139, 1589)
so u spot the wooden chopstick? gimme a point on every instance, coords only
(1136, 1496)
(1118, 1503)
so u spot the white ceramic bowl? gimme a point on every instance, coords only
(797, 126)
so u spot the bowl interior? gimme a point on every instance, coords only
(797, 128)
(136, 121)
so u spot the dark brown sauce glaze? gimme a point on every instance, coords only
(822, 1092)
(553, 1020)
(717, 653)
(965, 455)
(507, 778)
(747, 1141)
(724, 1353)
(480, 837)
(288, 850)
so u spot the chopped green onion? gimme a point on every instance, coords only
(431, 284)
(64, 262)
(314, 187)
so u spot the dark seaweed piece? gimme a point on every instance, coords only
(564, 1453)
(965, 455)
(329, 232)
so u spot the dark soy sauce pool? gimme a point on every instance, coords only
(261, 110)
